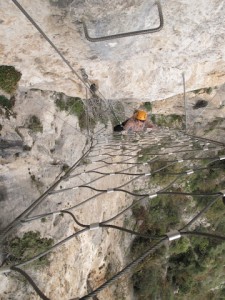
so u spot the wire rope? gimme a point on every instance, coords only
(105, 224)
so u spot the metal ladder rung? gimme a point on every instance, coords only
(126, 34)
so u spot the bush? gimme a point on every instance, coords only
(5, 103)
(204, 90)
(145, 153)
(74, 106)
(9, 78)
(214, 124)
(194, 265)
(208, 181)
(171, 121)
(153, 119)
(26, 247)
(148, 283)
(203, 259)
(34, 124)
(148, 106)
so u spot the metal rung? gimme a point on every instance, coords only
(126, 34)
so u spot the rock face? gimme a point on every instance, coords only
(133, 69)
(33, 156)
(137, 68)
(205, 111)
(41, 150)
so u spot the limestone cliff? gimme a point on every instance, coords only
(146, 67)
(40, 140)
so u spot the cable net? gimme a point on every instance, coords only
(171, 185)
(147, 167)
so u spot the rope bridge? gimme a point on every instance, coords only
(133, 157)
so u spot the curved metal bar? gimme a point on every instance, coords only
(126, 34)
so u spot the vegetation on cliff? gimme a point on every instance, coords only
(190, 267)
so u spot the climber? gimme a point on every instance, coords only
(138, 122)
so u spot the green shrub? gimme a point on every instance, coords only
(204, 90)
(165, 175)
(171, 121)
(9, 78)
(74, 106)
(87, 116)
(148, 106)
(148, 284)
(198, 91)
(198, 266)
(153, 118)
(34, 124)
(208, 181)
(208, 90)
(212, 125)
(61, 104)
(26, 247)
(179, 246)
(5, 103)
(145, 153)
(190, 264)
(65, 167)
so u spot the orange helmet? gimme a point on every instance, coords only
(141, 115)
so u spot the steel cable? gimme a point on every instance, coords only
(141, 197)
(31, 282)
(124, 270)
(59, 52)
(50, 42)
(200, 213)
(139, 200)
(39, 200)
